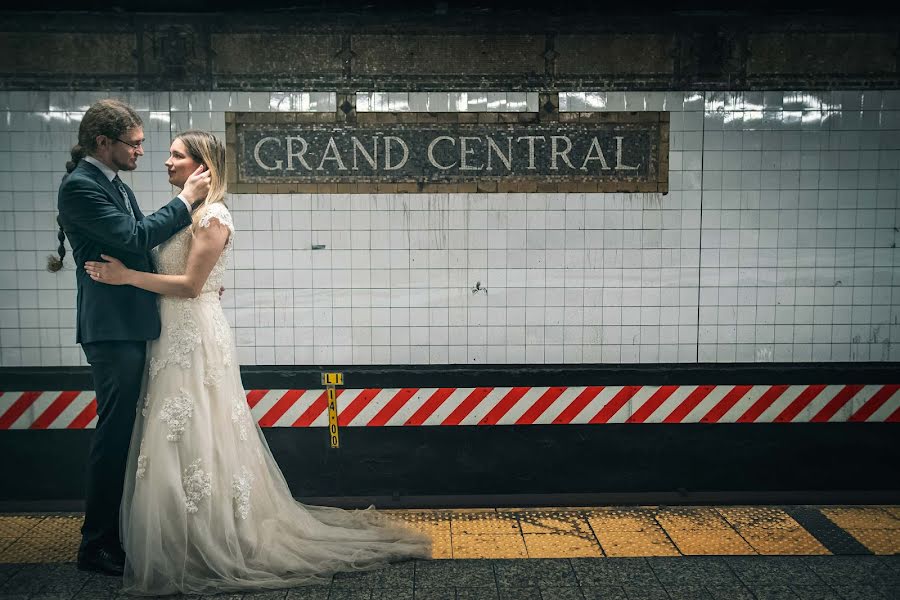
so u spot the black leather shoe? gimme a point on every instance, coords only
(102, 561)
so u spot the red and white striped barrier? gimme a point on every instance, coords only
(375, 407)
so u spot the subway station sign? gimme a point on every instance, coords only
(628, 154)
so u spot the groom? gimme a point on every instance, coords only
(99, 214)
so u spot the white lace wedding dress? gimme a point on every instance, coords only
(205, 507)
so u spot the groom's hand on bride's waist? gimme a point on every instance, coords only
(221, 291)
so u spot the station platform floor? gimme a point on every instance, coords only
(563, 553)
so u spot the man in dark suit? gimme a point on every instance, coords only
(99, 214)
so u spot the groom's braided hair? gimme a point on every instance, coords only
(111, 118)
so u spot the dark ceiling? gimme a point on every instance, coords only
(483, 8)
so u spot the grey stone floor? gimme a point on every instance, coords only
(679, 578)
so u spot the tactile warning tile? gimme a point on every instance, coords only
(691, 518)
(879, 541)
(875, 527)
(548, 545)
(68, 526)
(771, 531)
(488, 522)
(630, 532)
(488, 546)
(859, 517)
(893, 510)
(550, 521)
(15, 526)
(709, 541)
(757, 516)
(434, 523)
(42, 548)
(622, 519)
(648, 542)
(780, 542)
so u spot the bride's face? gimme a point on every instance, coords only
(180, 165)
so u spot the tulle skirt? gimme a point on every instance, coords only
(205, 507)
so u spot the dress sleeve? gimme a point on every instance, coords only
(219, 212)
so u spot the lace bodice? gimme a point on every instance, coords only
(171, 256)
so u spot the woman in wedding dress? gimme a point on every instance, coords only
(205, 507)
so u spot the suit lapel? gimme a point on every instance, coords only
(98, 176)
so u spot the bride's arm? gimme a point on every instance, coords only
(206, 247)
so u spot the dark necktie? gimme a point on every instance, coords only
(122, 191)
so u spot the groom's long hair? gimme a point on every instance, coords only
(206, 148)
(108, 117)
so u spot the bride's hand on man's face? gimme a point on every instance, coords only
(111, 272)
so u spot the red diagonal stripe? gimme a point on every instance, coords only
(765, 401)
(617, 402)
(360, 402)
(800, 402)
(85, 417)
(725, 404)
(874, 403)
(466, 406)
(254, 396)
(652, 403)
(688, 404)
(837, 403)
(577, 405)
(56, 407)
(430, 405)
(312, 413)
(18, 407)
(391, 408)
(542, 404)
(894, 416)
(279, 408)
(502, 407)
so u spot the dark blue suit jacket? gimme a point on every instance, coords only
(92, 212)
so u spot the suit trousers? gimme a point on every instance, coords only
(118, 371)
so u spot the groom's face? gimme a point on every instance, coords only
(126, 150)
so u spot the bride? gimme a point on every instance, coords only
(205, 507)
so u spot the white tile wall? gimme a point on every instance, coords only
(777, 241)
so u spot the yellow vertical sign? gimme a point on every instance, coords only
(329, 380)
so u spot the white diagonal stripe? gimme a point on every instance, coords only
(524, 403)
(890, 405)
(670, 404)
(375, 405)
(74, 409)
(817, 404)
(410, 407)
(596, 405)
(743, 405)
(31, 414)
(266, 403)
(634, 404)
(448, 406)
(559, 405)
(484, 407)
(299, 407)
(712, 398)
(7, 400)
(781, 403)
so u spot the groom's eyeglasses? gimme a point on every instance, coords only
(135, 145)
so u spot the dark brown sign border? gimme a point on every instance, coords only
(346, 114)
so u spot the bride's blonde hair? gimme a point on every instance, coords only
(206, 148)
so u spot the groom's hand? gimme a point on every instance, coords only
(197, 186)
(221, 291)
